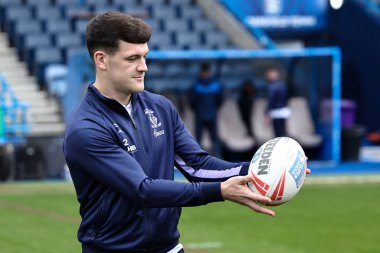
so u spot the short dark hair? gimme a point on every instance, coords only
(105, 30)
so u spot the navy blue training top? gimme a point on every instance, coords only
(123, 172)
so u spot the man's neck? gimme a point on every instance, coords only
(110, 93)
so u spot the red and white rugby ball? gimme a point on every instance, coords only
(278, 169)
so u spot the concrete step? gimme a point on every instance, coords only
(46, 129)
(39, 103)
(20, 70)
(24, 88)
(30, 96)
(33, 111)
(45, 118)
(14, 80)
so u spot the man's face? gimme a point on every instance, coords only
(126, 67)
(272, 75)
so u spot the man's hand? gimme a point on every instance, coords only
(236, 190)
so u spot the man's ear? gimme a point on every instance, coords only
(100, 60)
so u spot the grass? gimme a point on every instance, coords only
(41, 217)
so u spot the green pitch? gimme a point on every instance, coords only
(43, 217)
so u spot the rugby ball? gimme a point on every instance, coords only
(278, 169)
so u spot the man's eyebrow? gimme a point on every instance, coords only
(136, 55)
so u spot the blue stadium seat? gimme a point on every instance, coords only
(190, 12)
(14, 13)
(106, 8)
(160, 40)
(44, 57)
(135, 10)
(156, 24)
(23, 27)
(67, 40)
(80, 26)
(47, 12)
(216, 40)
(4, 5)
(32, 41)
(202, 25)
(66, 2)
(182, 2)
(164, 13)
(176, 25)
(96, 2)
(37, 2)
(155, 3)
(73, 11)
(57, 26)
(187, 40)
(122, 2)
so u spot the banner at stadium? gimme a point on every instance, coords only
(280, 15)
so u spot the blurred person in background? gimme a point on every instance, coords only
(246, 100)
(276, 111)
(206, 98)
(122, 144)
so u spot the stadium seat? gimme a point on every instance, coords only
(187, 40)
(164, 13)
(42, 58)
(122, 2)
(57, 26)
(187, 12)
(74, 11)
(80, 26)
(176, 25)
(216, 40)
(156, 24)
(155, 3)
(47, 12)
(4, 5)
(160, 40)
(136, 10)
(104, 8)
(68, 40)
(37, 2)
(66, 2)
(300, 125)
(182, 2)
(23, 27)
(232, 131)
(95, 3)
(32, 41)
(56, 79)
(12, 15)
(202, 25)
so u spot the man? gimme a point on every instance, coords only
(277, 111)
(122, 144)
(207, 93)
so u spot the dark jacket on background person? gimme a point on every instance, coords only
(123, 171)
(206, 98)
(277, 95)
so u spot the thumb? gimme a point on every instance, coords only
(246, 179)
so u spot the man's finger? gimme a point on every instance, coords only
(260, 209)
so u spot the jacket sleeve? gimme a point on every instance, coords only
(195, 163)
(92, 149)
